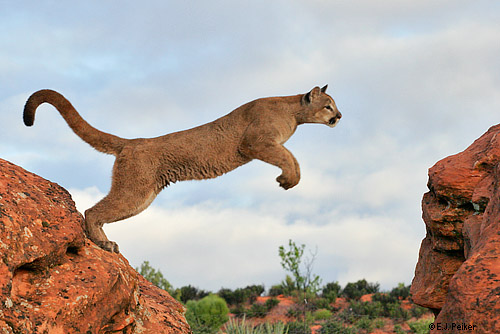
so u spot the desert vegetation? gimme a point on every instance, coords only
(300, 304)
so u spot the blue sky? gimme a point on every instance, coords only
(415, 81)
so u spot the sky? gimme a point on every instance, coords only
(416, 81)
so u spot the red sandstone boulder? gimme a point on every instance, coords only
(53, 280)
(458, 270)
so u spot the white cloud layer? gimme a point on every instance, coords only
(415, 81)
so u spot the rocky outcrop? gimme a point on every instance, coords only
(458, 270)
(53, 280)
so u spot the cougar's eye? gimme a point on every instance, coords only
(329, 108)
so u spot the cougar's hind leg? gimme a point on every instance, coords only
(127, 197)
(114, 207)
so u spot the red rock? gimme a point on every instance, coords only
(366, 298)
(458, 270)
(53, 280)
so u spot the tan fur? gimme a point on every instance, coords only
(143, 167)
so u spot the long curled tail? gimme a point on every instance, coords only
(101, 141)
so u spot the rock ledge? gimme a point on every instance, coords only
(458, 270)
(53, 280)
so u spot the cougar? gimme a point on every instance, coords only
(144, 166)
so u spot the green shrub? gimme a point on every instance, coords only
(364, 323)
(376, 309)
(331, 291)
(297, 327)
(309, 318)
(228, 296)
(347, 316)
(238, 311)
(370, 309)
(335, 327)
(384, 298)
(154, 276)
(271, 303)
(398, 329)
(322, 314)
(287, 287)
(276, 290)
(301, 268)
(294, 312)
(395, 311)
(417, 311)
(320, 303)
(257, 311)
(189, 292)
(253, 291)
(207, 315)
(421, 326)
(274, 328)
(379, 323)
(401, 291)
(241, 295)
(234, 326)
(357, 289)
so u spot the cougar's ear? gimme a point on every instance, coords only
(313, 94)
(323, 90)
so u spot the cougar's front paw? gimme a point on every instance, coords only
(109, 246)
(287, 182)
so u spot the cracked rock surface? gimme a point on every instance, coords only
(458, 270)
(54, 280)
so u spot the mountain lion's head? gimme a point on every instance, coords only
(319, 107)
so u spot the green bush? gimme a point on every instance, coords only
(395, 311)
(238, 311)
(319, 303)
(331, 291)
(357, 289)
(297, 327)
(384, 298)
(398, 329)
(294, 312)
(276, 290)
(154, 276)
(376, 309)
(227, 295)
(287, 287)
(421, 326)
(189, 292)
(271, 303)
(364, 323)
(234, 326)
(301, 268)
(241, 296)
(274, 328)
(335, 327)
(257, 311)
(417, 311)
(254, 291)
(322, 314)
(379, 323)
(370, 309)
(401, 291)
(207, 315)
(347, 316)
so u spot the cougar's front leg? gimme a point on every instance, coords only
(266, 149)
